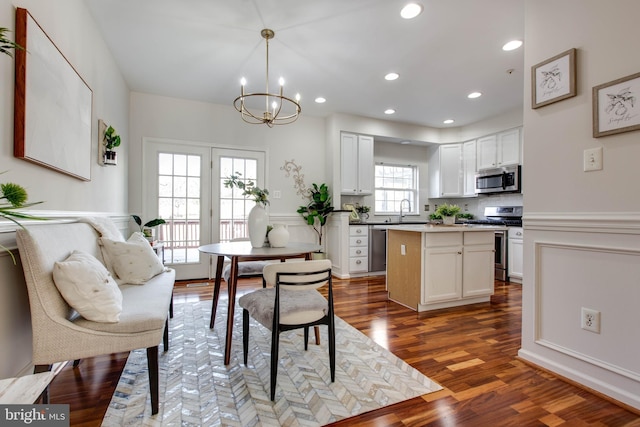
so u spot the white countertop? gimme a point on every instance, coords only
(438, 228)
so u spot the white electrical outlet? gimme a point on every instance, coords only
(590, 320)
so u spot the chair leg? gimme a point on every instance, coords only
(275, 338)
(152, 364)
(76, 363)
(45, 393)
(165, 336)
(245, 335)
(332, 348)
(264, 282)
(306, 338)
(316, 330)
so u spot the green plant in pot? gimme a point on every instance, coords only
(318, 210)
(147, 228)
(111, 141)
(448, 213)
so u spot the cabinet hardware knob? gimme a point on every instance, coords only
(459, 253)
(358, 251)
(358, 241)
(358, 262)
(358, 231)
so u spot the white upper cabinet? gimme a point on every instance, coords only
(445, 171)
(356, 164)
(469, 168)
(452, 169)
(502, 149)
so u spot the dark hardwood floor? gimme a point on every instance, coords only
(471, 351)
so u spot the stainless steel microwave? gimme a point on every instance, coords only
(501, 180)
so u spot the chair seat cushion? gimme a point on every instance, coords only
(296, 307)
(245, 268)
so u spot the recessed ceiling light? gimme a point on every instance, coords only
(474, 95)
(448, 121)
(513, 44)
(320, 100)
(411, 10)
(391, 76)
(389, 111)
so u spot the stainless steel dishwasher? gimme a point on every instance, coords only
(377, 249)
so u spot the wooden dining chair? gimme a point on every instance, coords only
(293, 303)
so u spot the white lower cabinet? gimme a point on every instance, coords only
(358, 249)
(515, 254)
(458, 266)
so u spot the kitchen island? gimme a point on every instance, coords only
(435, 266)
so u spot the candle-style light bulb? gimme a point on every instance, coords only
(243, 81)
(297, 97)
(281, 81)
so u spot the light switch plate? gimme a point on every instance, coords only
(592, 159)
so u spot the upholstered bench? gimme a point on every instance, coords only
(66, 262)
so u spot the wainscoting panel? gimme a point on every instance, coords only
(604, 279)
(584, 260)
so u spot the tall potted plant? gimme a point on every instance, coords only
(316, 212)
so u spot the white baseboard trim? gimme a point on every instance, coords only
(608, 389)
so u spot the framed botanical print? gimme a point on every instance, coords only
(615, 106)
(554, 79)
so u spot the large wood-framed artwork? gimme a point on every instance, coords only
(554, 79)
(616, 107)
(53, 104)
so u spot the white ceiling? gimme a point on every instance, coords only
(338, 49)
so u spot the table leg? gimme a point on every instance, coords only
(216, 290)
(232, 305)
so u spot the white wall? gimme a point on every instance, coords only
(69, 24)
(221, 126)
(582, 238)
(392, 153)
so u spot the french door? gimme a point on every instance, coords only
(184, 185)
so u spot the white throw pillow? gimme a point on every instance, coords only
(88, 287)
(134, 261)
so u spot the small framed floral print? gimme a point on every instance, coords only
(554, 79)
(615, 106)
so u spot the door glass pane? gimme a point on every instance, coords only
(179, 193)
(234, 207)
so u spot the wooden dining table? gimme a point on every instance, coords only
(240, 252)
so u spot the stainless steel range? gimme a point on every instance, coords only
(510, 216)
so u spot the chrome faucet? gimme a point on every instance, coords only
(408, 203)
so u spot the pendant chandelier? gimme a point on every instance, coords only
(278, 110)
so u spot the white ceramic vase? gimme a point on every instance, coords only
(258, 221)
(279, 236)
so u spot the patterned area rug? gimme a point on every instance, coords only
(197, 389)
